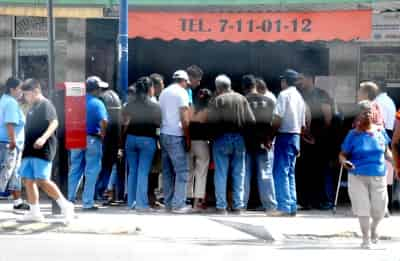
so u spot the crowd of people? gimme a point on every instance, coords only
(168, 138)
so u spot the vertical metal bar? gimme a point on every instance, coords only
(50, 28)
(51, 86)
(123, 49)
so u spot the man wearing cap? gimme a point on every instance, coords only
(228, 115)
(110, 148)
(175, 142)
(288, 121)
(88, 161)
(39, 151)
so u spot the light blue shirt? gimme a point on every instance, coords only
(366, 150)
(95, 112)
(10, 112)
(190, 94)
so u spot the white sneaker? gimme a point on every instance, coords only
(366, 244)
(183, 210)
(29, 216)
(68, 211)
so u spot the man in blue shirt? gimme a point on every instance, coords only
(88, 161)
(12, 122)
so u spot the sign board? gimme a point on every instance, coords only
(31, 27)
(75, 115)
(252, 26)
(386, 27)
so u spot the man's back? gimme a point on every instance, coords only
(262, 107)
(290, 107)
(388, 110)
(172, 99)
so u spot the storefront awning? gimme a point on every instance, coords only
(345, 25)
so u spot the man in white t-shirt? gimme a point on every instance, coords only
(289, 118)
(388, 110)
(175, 142)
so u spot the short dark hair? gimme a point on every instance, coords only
(11, 83)
(370, 88)
(195, 71)
(260, 84)
(248, 82)
(143, 84)
(156, 78)
(30, 84)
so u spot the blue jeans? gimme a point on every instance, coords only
(260, 162)
(229, 154)
(175, 167)
(10, 162)
(139, 154)
(88, 162)
(287, 147)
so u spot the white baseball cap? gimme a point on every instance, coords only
(181, 74)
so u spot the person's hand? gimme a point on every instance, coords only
(12, 145)
(120, 153)
(396, 172)
(188, 144)
(39, 143)
(348, 165)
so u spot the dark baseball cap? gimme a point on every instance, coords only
(94, 82)
(290, 74)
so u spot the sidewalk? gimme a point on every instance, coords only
(250, 226)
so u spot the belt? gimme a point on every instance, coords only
(288, 133)
(94, 135)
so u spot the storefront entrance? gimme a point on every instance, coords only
(263, 59)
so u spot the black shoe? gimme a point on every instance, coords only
(292, 214)
(326, 206)
(21, 206)
(93, 208)
(221, 211)
(305, 207)
(238, 211)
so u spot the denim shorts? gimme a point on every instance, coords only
(35, 168)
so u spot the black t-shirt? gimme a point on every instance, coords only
(38, 118)
(315, 99)
(258, 132)
(145, 117)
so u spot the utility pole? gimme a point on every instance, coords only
(51, 84)
(123, 49)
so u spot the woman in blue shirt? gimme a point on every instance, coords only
(363, 155)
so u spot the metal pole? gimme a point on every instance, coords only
(50, 26)
(123, 49)
(50, 29)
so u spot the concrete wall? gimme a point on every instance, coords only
(6, 50)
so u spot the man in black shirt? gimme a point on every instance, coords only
(314, 178)
(40, 149)
(258, 137)
(110, 148)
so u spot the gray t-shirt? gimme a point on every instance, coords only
(172, 99)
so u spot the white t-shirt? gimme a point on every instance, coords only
(290, 107)
(388, 110)
(172, 99)
(270, 95)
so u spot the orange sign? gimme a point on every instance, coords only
(268, 26)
